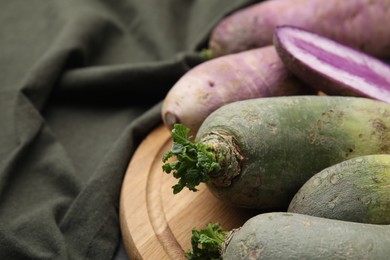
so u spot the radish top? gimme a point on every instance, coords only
(317, 59)
(194, 160)
(215, 158)
(207, 243)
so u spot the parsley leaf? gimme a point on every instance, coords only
(194, 160)
(207, 243)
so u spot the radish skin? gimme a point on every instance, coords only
(212, 84)
(258, 153)
(331, 67)
(355, 190)
(361, 24)
(279, 235)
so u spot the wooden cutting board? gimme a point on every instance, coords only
(155, 223)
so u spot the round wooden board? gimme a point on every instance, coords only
(155, 223)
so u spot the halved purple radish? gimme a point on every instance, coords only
(331, 67)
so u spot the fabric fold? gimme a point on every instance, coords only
(81, 85)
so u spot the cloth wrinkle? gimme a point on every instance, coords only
(81, 86)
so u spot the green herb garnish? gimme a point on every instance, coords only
(207, 243)
(194, 160)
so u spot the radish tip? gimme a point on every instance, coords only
(171, 119)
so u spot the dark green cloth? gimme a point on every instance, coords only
(81, 84)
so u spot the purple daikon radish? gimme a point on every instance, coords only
(332, 67)
(214, 83)
(361, 24)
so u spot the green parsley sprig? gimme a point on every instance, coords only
(207, 243)
(194, 160)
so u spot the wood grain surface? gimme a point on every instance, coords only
(155, 223)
